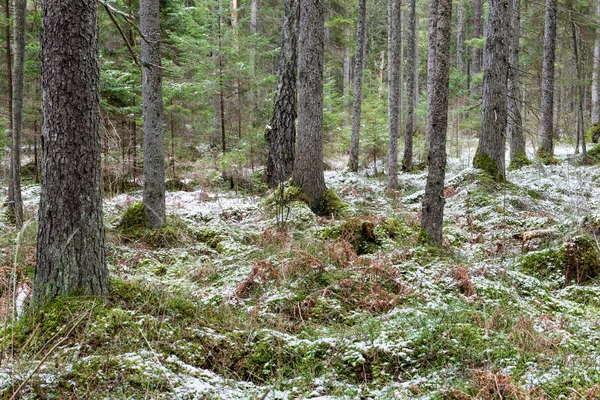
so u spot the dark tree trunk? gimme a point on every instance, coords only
(546, 128)
(410, 86)
(20, 13)
(361, 38)
(431, 50)
(437, 116)
(491, 150)
(70, 241)
(578, 88)
(11, 187)
(395, 67)
(595, 71)
(308, 165)
(282, 133)
(518, 153)
(154, 144)
(476, 55)
(460, 36)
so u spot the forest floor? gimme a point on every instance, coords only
(224, 304)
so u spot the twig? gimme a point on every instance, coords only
(264, 395)
(134, 56)
(128, 18)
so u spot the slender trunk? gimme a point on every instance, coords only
(380, 73)
(346, 81)
(595, 72)
(460, 36)
(11, 186)
(476, 55)
(361, 38)
(547, 107)
(221, 87)
(579, 87)
(410, 87)
(433, 200)
(431, 51)
(253, 31)
(518, 153)
(395, 66)
(154, 144)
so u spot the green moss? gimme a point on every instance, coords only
(546, 158)
(133, 219)
(175, 185)
(487, 164)
(594, 152)
(519, 160)
(211, 237)
(330, 204)
(593, 134)
(541, 263)
(579, 259)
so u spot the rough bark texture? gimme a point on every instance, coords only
(11, 187)
(437, 116)
(308, 165)
(347, 70)
(518, 153)
(20, 13)
(410, 86)
(547, 106)
(253, 30)
(395, 66)
(431, 50)
(154, 145)
(476, 62)
(491, 150)
(361, 37)
(595, 72)
(579, 90)
(70, 242)
(460, 39)
(282, 133)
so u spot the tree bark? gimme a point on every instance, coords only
(491, 150)
(595, 71)
(282, 132)
(437, 117)
(579, 87)
(346, 76)
(395, 69)
(476, 55)
(11, 187)
(410, 87)
(308, 165)
(70, 241)
(253, 31)
(361, 38)
(547, 106)
(460, 39)
(20, 13)
(154, 145)
(431, 51)
(518, 153)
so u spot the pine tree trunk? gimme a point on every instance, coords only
(11, 186)
(476, 55)
(308, 165)
(253, 31)
(154, 145)
(579, 87)
(20, 14)
(282, 133)
(361, 38)
(518, 153)
(460, 39)
(491, 150)
(410, 87)
(431, 50)
(595, 72)
(70, 241)
(395, 69)
(547, 107)
(346, 77)
(437, 116)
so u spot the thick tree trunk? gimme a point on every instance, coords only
(407, 160)
(282, 133)
(20, 13)
(547, 107)
(596, 72)
(395, 69)
(70, 242)
(308, 165)
(491, 150)
(437, 116)
(431, 51)
(518, 153)
(154, 145)
(361, 38)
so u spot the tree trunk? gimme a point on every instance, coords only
(431, 50)
(491, 150)
(460, 39)
(595, 72)
(11, 187)
(70, 241)
(20, 14)
(308, 165)
(518, 154)
(579, 87)
(346, 77)
(395, 69)
(546, 129)
(361, 38)
(476, 55)
(410, 87)
(437, 119)
(253, 31)
(154, 145)
(282, 133)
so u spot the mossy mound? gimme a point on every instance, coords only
(487, 164)
(366, 234)
(133, 219)
(330, 204)
(175, 185)
(546, 158)
(594, 153)
(593, 134)
(580, 260)
(518, 161)
(541, 263)
(290, 195)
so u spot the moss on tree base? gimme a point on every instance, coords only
(546, 158)
(488, 165)
(519, 161)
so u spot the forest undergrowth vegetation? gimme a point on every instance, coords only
(227, 302)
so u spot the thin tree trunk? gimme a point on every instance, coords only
(410, 87)
(361, 38)
(431, 51)
(154, 145)
(308, 165)
(346, 77)
(11, 186)
(595, 71)
(476, 54)
(380, 73)
(282, 133)
(518, 154)
(394, 68)
(491, 150)
(221, 87)
(579, 87)
(253, 31)
(70, 242)
(433, 200)
(460, 39)
(547, 107)
(20, 15)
